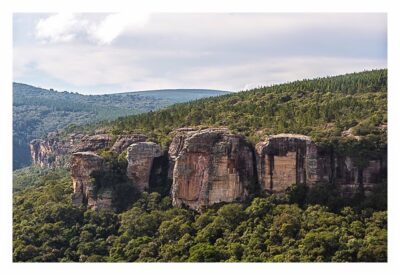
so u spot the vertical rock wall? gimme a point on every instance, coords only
(140, 158)
(85, 167)
(212, 166)
(286, 159)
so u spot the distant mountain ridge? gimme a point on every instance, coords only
(38, 111)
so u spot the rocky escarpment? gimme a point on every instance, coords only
(287, 159)
(55, 151)
(212, 166)
(176, 146)
(140, 158)
(124, 141)
(86, 171)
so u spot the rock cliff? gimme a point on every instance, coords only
(211, 166)
(55, 151)
(86, 171)
(124, 141)
(140, 158)
(286, 159)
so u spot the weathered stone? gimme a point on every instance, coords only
(56, 152)
(286, 159)
(178, 140)
(49, 152)
(140, 158)
(352, 178)
(92, 143)
(123, 142)
(212, 166)
(85, 167)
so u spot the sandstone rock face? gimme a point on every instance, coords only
(92, 143)
(140, 158)
(56, 152)
(86, 168)
(212, 166)
(287, 159)
(351, 178)
(49, 152)
(124, 141)
(176, 146)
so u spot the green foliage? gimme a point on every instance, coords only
(47, 228)
(321, 108)
(37, 111)
(303, 225)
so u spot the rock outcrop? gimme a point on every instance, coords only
(86, 171)
(176, 146)
(140, 158)
(211, 166)
(55, 151)
(124, 141)
(92, 143)
(287, 159)
(351, 178)
(49, 152)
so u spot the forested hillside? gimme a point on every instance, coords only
(309, 224)
(37, 111)
(322, 108)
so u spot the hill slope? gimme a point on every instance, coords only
(328, 109)
(38, 111)
(303, 225)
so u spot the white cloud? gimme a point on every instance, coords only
(114, 24)
(59, 28)
(221, 51)
(69, 27)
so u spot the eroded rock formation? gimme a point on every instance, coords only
(211, 166)
(286, 159)
(140, 158)
(56, 152)
(92, 143)
(176, 146)
(86, 171)
(124, 141)
(48, 152)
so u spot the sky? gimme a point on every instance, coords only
(97, 53)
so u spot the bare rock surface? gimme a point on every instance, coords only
(86, 168)
(140, 158)
(211, 166)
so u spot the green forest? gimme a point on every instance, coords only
(302, 225)
(37, 111)
(298, 226)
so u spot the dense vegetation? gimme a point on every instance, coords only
(37, 111)
(48, 228)
(322, 108)
(304, 224)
